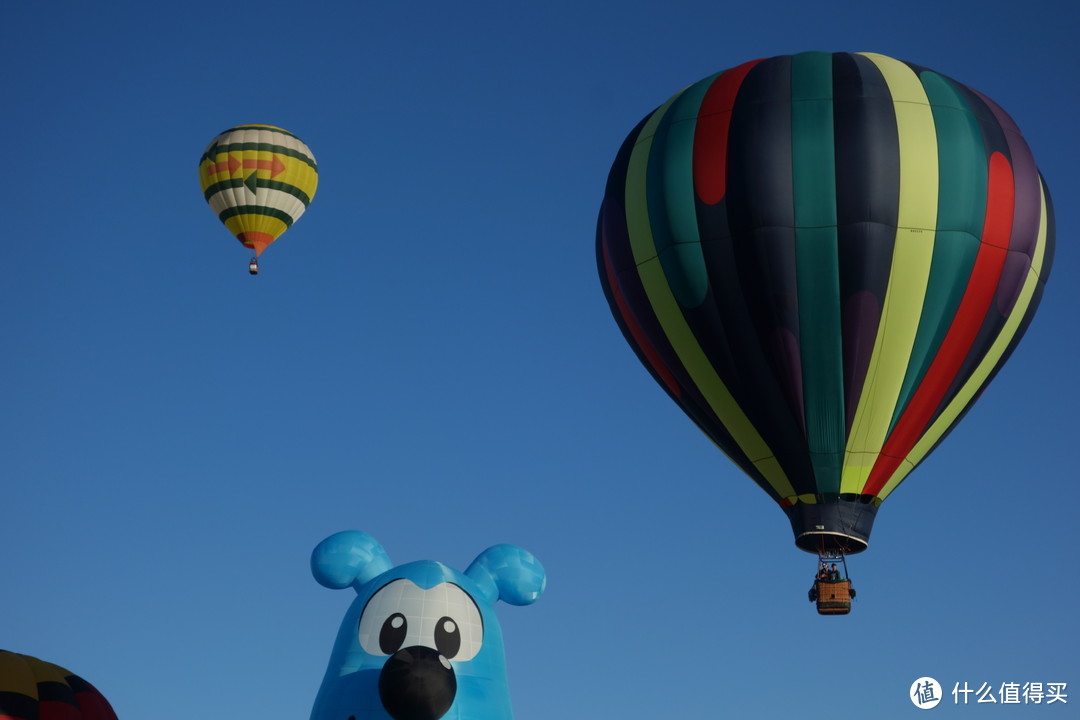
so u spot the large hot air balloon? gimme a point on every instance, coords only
(824, 258)
(258, 179)
(32, 689)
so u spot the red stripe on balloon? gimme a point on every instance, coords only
(711, 133)
(95, 707)
(49, 710)
(965, 326)
(632, 325)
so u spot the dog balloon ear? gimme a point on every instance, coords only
(348, 558)
(508, 573)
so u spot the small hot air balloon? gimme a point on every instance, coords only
(824, 258)
(258, 179)
(32, 689)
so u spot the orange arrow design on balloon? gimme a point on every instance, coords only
(275, 165)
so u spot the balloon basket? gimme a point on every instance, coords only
(833, 598)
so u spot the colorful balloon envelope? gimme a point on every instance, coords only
(32, 689)
(824, 258)
(259, 179)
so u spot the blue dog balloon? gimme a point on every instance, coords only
(420, 641)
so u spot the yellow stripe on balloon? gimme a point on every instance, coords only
(16, 674)
(910, 274)
(250, 222)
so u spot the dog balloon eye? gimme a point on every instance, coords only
(402, 614)
(392, 635)
(447, 637)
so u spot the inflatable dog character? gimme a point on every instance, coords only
(420, 641)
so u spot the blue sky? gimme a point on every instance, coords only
(427, 356)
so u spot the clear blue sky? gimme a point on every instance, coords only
(427, 356)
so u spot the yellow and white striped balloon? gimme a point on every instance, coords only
(258, 179)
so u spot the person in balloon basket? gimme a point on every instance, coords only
(821, 575)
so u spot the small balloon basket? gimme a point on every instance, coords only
(832, 591)
(833, 598)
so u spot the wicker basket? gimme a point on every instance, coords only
(833, 598)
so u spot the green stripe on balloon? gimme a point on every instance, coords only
(220, 149)
(234, 183)
(255, 210)
(670, 188)
(817, 265)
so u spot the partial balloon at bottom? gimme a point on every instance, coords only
(32, 689)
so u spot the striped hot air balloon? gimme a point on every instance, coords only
(824, 258)
(259, 179)
(32, 689)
